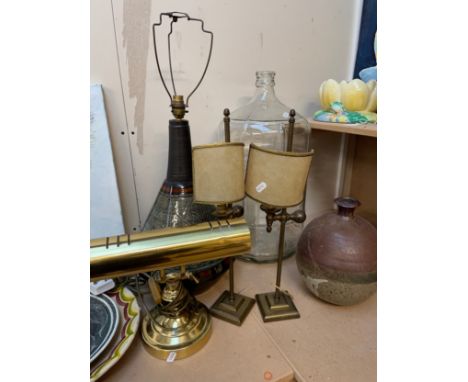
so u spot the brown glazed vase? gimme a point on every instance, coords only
(337, 255)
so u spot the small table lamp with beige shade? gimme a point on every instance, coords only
(218, 179)
(277, 179)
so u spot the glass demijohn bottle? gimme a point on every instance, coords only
(264, 121)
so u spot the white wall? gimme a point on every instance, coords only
(304, 41)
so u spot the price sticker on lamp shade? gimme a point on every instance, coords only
(261, 187)
(276, 178)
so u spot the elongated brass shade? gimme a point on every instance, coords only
(218, 173)
(277, 178)
(159, 249)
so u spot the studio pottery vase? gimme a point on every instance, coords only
(337, 255)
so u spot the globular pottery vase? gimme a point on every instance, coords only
(337, 255)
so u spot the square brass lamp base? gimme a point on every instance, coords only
(276, 310)
(232, 311)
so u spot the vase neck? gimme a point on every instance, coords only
(346, 206)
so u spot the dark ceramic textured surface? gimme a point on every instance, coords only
(174, 206)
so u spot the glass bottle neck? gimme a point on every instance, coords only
(265, 84)
(264, 92)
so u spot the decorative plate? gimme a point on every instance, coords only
(104, 317)
(129, 313)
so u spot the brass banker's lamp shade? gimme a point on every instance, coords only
(277, 178)
(218, 173)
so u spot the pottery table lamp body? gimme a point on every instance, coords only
(174, 206)
(337, 255)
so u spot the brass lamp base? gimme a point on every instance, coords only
(182, 335)
(232, 311)
(276, 309)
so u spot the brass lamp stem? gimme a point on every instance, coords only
(289, 146)
(227, 128)
(230, 306)
(227, 138)
(274, 214)
(280, 255)
(227, 211)
(231, 279)
(292, 113)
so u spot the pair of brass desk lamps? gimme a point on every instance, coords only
(277, 179)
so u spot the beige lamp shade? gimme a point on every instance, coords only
(277, 178)
(218, 173)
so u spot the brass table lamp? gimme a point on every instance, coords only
(179, 325)
(218, 175)
(277, 179)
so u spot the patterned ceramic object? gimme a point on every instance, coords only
(104, 317)
(129, 313)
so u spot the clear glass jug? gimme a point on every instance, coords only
(264, 121)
